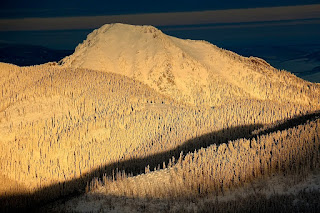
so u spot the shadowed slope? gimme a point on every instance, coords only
(218, 169)
(136, 166)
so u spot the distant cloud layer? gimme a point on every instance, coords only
(166, 19)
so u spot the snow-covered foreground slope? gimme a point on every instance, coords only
(293, 193)
(210, 178)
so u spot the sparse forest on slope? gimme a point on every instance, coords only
(231, 177)
(61, 126)
(220, 168)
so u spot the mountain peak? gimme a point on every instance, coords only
(125, 29)
(143, 53)
(194, 72)
(141, 28)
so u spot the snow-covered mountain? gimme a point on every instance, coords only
(195, 72)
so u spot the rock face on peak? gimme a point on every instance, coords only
(194, 72)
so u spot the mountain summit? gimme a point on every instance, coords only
(194, 72)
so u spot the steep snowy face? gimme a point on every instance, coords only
(194, 72)
(145, 54)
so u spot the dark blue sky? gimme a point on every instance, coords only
(43, 8)
(62, 24)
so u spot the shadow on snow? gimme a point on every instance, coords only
(68, 189)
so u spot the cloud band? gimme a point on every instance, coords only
(166, 19)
